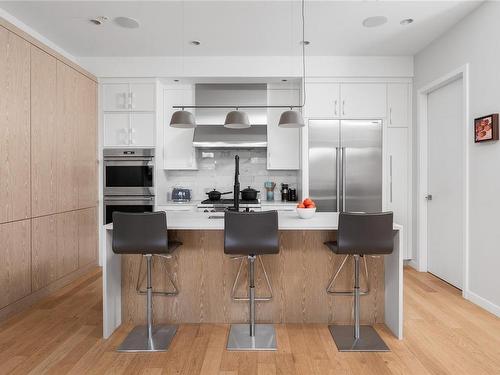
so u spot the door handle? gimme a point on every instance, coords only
(390, 178)
(343, 107)
(428, 197)
(390, 115)
(337, 176)
(342, 149)
(335, 107)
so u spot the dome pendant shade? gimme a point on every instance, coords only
(291, 119)
(237, 120)
(183, 120)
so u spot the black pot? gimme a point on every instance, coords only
(215, 195)
(249, 194)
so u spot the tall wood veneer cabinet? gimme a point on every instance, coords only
(48, 170)
(14, 127)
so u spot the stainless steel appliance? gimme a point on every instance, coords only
(180, 195)
(128, 181)
(129, 171)
(345, 165)
(224, 204)
(127, 203)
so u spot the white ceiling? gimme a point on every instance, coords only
(239, 28)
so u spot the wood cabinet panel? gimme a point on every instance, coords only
(44, 251)
(87, 236)
(67, 123)
(15, 252)
(14, 127)
(54, 247)
(87, 143)
(43, 132)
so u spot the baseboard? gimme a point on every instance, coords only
(411, 263)
(482, 302)
(31, 299)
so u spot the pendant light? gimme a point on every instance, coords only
(237, 120)
(182, 119)
(291, 118)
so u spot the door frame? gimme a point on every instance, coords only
(460, 73)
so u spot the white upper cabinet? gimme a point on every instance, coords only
(129, 129)
(142, 129)
(398, 105)
(115, 96)
(116, 129)
(178, 150)
(142, 96)
(129, 97)
(398, 184)
(363, 100)
(322, 100)
(283, 145)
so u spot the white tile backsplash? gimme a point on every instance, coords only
(218, 173)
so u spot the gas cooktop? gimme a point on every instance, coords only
(225, 202)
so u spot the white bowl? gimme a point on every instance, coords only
(306, 213)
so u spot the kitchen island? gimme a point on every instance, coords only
(204, 275)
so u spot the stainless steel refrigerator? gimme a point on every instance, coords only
(345, 165)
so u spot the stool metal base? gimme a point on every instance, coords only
(369, 340)
(240, 339)
(137, 339)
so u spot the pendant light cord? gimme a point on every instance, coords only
(303, 54)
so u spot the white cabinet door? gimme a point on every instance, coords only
(399, 179)
(283, 145)
(363, 100)
(116, 129)
(115, 96)
(142, 96)
(178, 150)
(142, 129)
(322, 100)
(398, 104)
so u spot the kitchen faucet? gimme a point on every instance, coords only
(236, 192)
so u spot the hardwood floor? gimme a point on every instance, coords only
(444, 334)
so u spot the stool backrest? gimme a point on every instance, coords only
(140, 233)
(365, 233)
(251, 233)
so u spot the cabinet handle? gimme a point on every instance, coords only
(131, 100)
(343, 107)
(336, 102)
(390, 115)
(390, 178)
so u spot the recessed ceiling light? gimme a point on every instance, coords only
(374, 21)
(306, 42)
(406, 21)
(127, 22)
(99, 20)
(195, 42)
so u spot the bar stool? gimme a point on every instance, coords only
(145, 234)
(251, 234)
(358, 235)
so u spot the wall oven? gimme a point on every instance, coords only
(128, 172)
(126, 204)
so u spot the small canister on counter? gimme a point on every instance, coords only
(284, 192)
(292, 194)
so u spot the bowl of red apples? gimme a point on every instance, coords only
(306, 209)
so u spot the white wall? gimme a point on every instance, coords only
(476, 41)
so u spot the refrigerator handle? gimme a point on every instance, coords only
(342, 149)
(337, 176)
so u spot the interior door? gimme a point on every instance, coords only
(361, 142)
(445, 216)
(324, 148)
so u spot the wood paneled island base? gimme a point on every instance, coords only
(299, 275)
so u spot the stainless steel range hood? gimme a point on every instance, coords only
(210, 133)
(217, 136)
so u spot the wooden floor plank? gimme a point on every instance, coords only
(444, 334)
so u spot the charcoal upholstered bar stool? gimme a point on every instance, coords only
(145, 234)
(251, 234)
(359, 235)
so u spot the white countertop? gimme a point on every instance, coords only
(183, 220)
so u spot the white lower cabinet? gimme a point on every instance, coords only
(399, 177)
(129, 129)
(283, 145)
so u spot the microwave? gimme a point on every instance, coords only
(128, 172)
